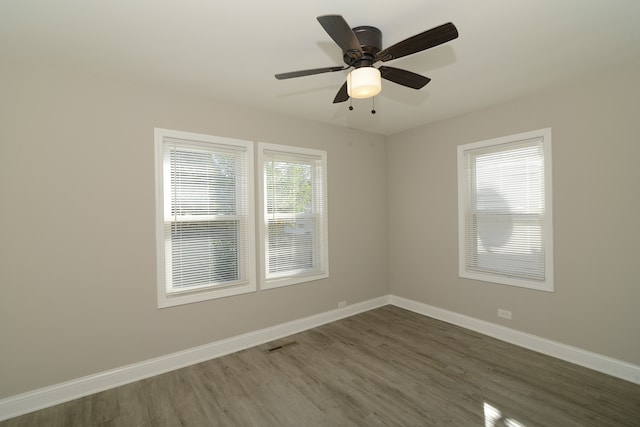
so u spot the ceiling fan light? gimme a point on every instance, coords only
(364, 82)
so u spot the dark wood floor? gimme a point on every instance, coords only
(385, 367)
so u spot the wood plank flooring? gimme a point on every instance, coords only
(385, 367)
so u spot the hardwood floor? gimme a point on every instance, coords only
(385, 367)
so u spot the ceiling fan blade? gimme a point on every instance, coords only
(426, 40)
(404, 77)
(342, 94)
(342, 34)
(301, 73)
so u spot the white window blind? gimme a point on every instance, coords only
(206, 217)
(505, 219)
(294, 229)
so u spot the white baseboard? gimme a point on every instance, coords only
(578, 356)
(48, 396)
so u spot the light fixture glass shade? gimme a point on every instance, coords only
(364, 82)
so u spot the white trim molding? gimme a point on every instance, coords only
(59, 393)
(48, 396)
(575, 355)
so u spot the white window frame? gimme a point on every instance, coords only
(465, 193)
(167, 296)
(319, 188)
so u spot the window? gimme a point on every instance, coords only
(294, 207)
(504, 210)
(205, 220)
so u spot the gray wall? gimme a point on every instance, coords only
(77, 252)
(596, 153)
(77, 247)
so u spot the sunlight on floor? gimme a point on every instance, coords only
(494, 418)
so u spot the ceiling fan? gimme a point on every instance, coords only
(362, 48)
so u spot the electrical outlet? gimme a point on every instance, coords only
(505, 314)
(342, 304)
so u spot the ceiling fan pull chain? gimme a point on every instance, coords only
(373, 105)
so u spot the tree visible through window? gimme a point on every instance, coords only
(294, 228)
(290, 219)
(205, 234)
(204, 224)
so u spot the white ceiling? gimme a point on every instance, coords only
(230, 50)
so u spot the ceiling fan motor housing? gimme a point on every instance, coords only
(362, 48)
(370, 39)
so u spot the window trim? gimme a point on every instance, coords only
(544, 285)
(287, 280)
(169, 299)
